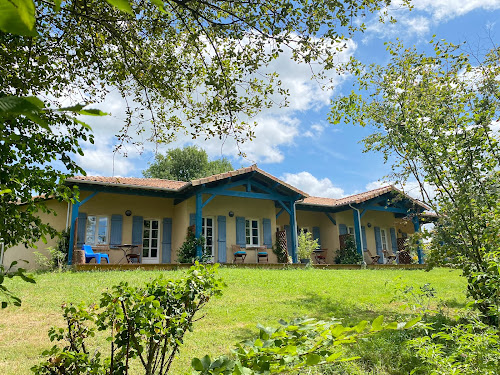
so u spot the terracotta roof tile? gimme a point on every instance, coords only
(154, 183)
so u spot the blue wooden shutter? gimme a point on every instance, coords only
(166, 240)
(378, 244)
(316, 236)
(82, 223)
(221, 239)
(288, 239)
(342, 229)
(115, 237)
(363, 233)
(137, 222)
(394, 242)
(268, 237)
(192, 219)
(240, 232)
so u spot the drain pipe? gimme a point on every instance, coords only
(360, 233)
(67, 217)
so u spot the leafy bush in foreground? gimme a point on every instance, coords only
(145, 324)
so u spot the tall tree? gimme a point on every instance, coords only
(182, 66)
(186, 164)
(437, 119)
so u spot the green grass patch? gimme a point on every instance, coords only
(252, 296)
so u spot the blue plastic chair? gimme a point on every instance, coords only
(89, 254)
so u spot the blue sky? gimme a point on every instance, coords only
(297, 143)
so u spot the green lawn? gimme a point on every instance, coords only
(252, 296)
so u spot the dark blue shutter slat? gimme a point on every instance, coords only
(363, 233)
(288, 239)
(221, 239)
(378, 244)
(316, 235)
(137, 222)
(240, 232)
(342, 229)
(166, 241)
(394, 241)
(268, 237)
(192, 219)
(115, 237)
(82, 222)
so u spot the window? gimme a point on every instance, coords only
(252, 232)
(150, 239)
(350, 230)
(207, 231)
(305, 230)
(383, 239)
(96, 231)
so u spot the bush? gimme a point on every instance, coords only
(187, 251)
(145, 324)
(281, 253)
(306, 245)
(348, 254)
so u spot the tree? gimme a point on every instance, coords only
(186, 164)
(182, 66)
(437, 121)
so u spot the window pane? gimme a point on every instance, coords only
(147, 224)
(255, 240)
(145, 252)
(155, 224)
(154, 243)
(154, 233)
(145, 243)
(90, 230)
(146, 233)
(209, 222)
(209, 232)
(255, 224)
(102, 234)
(248, 240)
(154, 253)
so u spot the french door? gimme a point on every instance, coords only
(150, 241)
(207, 225)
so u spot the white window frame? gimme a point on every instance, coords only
(384, 240)
(251, 243)
(96, 230)
(352, 232)
(150, 259)
(204, 233)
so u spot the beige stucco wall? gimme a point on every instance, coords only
(20, 252)
(116, 204)
(242, 207)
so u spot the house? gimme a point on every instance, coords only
(247, 207)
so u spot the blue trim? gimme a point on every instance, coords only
(221, 239)
(342, 229)
(244, 194)
(363, 213)
(378, 244)
(284, 206)
(137, 226)
(198, 223)
(208, 200)
(357, 232)
(279, 213)
(249, 186)
(363, 232)
(331, 218)
(88, 198)
(416, 226)
(128, 191)
(387, 209)
(240, 232)
(115, 237)
(293, 234)
(267, 233)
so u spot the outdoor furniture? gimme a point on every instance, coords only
(129, 253)
(319, 256)
(238, 253)
(390, 258)
(89, 255)
(374, 258)
(261, 254)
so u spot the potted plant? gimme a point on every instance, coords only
(306, 246)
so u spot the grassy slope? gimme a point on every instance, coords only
(252, 296)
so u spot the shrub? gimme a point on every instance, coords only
(306, 245)
(281, 253)
(348, 254)
(187, 251)
(145, 324)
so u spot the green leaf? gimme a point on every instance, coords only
(122, 5)
(92, 112)
(333, 357)
(377, 323)
(412, 322)
(313, 359)
(18, 17)
(196, 364)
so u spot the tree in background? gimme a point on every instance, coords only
(186, 164)
(437, 120)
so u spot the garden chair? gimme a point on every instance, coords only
(89, 254)
(238, 253)
(261, 254)
(374, 258)
(390, 258)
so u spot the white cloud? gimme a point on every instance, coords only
(306, 182)
(412, 188)
(448, 9)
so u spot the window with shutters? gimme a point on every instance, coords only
(350, 230)
(207, 231)
(97, 230)
(252, 232)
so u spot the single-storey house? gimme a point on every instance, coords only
(247, 207)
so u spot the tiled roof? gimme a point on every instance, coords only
(152, 183)
(356, 198)
(241, 171)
